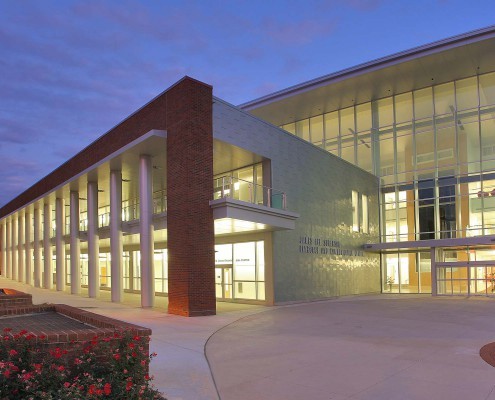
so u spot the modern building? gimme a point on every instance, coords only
(376, 178)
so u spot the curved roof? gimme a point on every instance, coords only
(442, 61)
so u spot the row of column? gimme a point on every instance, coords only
(16, 246)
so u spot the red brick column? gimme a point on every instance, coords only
(190, 231)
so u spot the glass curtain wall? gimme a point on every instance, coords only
(434, 151)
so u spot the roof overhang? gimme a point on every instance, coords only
(443, 61)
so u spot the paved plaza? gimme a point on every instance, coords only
(366, 347)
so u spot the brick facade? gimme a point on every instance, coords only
(191, 261)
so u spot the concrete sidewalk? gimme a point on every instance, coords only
(368, 348)
(381, 347)
(180, 369)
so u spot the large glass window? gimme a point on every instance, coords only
(240, 271)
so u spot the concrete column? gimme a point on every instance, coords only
(47, 247)
(93, 241)
(116, 246)
(3, 249)
(14, 248)
(36, 247)
(146, 231)
(8, 242)
(20, 248)
(75, 245)
(59, 243)
(28, 275)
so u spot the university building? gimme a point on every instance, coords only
(378, 178)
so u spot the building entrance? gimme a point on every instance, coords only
(223, 281)
(466, 280)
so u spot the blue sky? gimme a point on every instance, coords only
(71, 70)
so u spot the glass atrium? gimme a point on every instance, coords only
(434, 151)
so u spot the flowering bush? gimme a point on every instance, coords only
(102, 368)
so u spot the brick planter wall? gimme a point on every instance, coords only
(14, 298)
(62, 325)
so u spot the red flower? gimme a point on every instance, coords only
(37, 367)
(13, 352)
(67, 384)
(23, 332)
(57, 353)
(128, 386)
(116, 356)
(107, 389)
(131, 345)
(7, 329)
(92, 389)
(42, 337)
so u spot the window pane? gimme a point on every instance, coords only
(331, 125)
(316, 129)
(386, 158)
(403, 108)
(385, 112)
(302, 129)
(444, 99)
(466, 93)
(364, 152)
(423, 103)
(487, 89)
(290, 128)
(363, 117)
(355, 211)
(446, 149)
(347, 121)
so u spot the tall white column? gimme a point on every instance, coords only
(14, 248)
(9, 248)
(116, 247)
(3, 250)
(146, 231)
(93, 241)
(47, 247)
(20, 248)
(28, 274)
(36, 246)
(59, 243)
(75, 245)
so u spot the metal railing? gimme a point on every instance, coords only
(240, 189)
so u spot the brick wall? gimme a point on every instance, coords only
(189, 189)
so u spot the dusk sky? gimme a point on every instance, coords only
(71, 70)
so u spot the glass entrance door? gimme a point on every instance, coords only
(478, 280)
(223, 281)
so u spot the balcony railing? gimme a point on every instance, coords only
(225, 187)
(239, 189)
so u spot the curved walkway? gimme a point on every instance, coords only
(370, 347)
